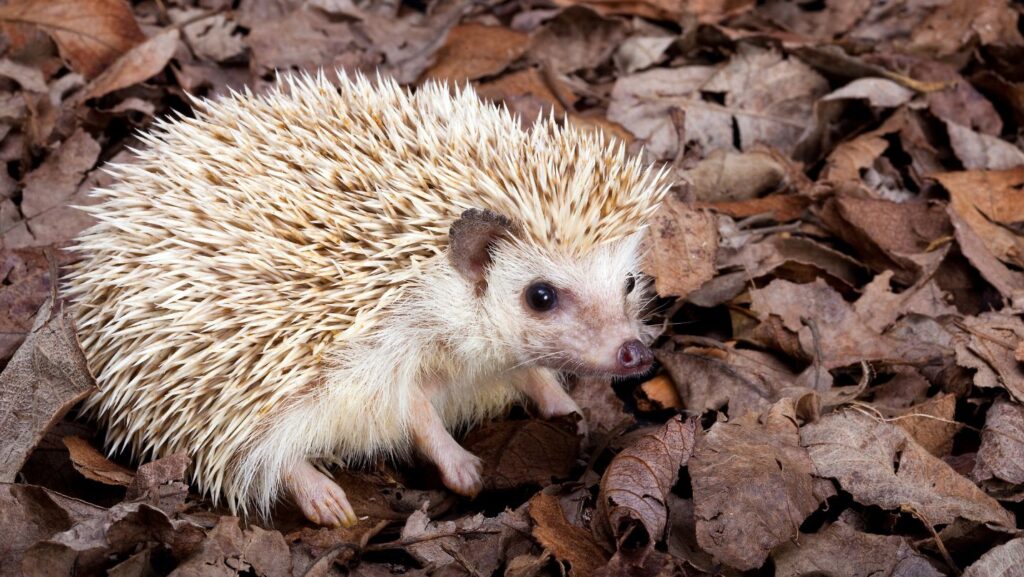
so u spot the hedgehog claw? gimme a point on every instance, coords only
(462, 473)
(322, 501)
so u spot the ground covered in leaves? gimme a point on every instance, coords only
(841, 264)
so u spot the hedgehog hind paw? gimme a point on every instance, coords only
(321, 500)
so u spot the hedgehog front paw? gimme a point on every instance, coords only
(461, 472)
(321, 500)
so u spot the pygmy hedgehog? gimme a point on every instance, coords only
(342, 272)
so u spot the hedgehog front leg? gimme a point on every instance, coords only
(322, 501)
(543, 387)
(460, 470)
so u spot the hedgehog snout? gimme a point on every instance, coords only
(634, 357)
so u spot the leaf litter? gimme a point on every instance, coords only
(840, 268)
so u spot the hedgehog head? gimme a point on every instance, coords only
(551, 306)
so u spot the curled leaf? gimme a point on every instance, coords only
(632, 505)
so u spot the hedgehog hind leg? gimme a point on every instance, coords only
(321, 500)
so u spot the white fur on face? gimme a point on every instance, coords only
(594, 315)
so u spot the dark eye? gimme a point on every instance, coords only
(630, 283)
(541, 296)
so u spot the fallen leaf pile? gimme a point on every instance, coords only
(840, 264)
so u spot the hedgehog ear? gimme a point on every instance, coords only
(470, 240)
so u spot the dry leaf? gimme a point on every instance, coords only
(30, 514)
(990, 202)
(979, 151)
(474, 51)
(576, 38)
(566, 542)
(862, 555)
(987, 345)
(1009, 283)
(91, 34)
(1003, 560)
(829, 330)
(730, 176)
(632, 504)
(49, 191)
(931, 424)
(880, 464)
(660, 394)
(47, 375)
(1001, 454)
(752, 486)
(24, 286)
(518, 453)
(137, 65)
(712, 377)
(481, 541)
(684, 245)
(93, 465)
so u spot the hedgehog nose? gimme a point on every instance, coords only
(635, 356)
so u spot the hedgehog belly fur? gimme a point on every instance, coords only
(249, 293)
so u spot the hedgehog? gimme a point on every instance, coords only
(343, 270)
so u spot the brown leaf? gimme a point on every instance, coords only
(987, 345)
(527, 93)
(766, 96)
(90, 33)
(935, 435)
(518, 453)
(825, 22)
(713, 377)
(880, 307)
(632, 504)
(828, 328)
(409, 42)
(659, 394)
(314, 41)
(704, 10)
(752, 486)
(213, 37)
(567, 542)
(886, 234)
(29, 514)
(137, 65)
(990, 202)
(47, 375)
(879, 464)
(684, 245)
(24, 286)
(51, 189)
(227, 550)
(93, 465)
(577, 38)
(842, 551)
(28, 77)
(644, 103)
(161, 483)
(978, 151)
(474, 51)
(1001, 454)
(779, 207)
(603, 409)
(1001, 561)
(955, 26)
(730, 176)
(1009, 283)
(785, 256)
(91, 544)
(480, 542)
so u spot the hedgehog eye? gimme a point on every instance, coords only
(541, 296)
(630, 283)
